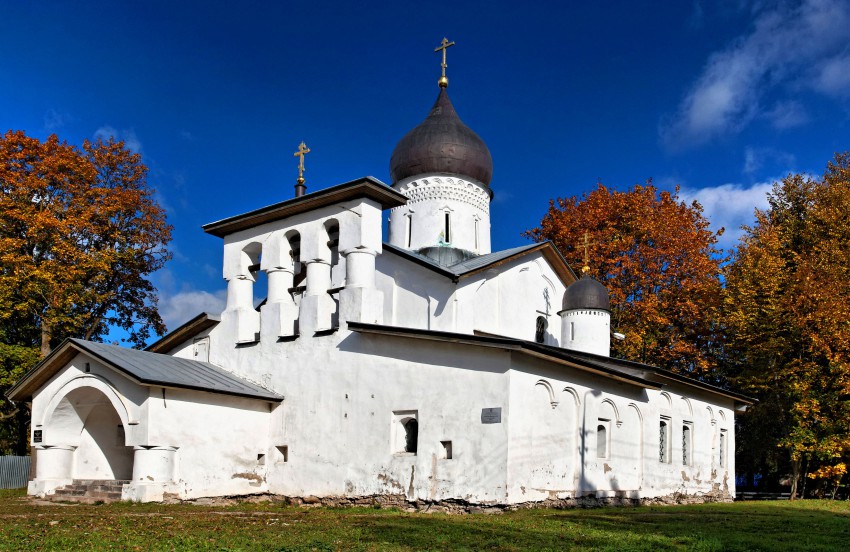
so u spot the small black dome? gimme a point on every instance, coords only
(586, 293)
(442, 144)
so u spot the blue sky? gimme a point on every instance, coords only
(721, 98)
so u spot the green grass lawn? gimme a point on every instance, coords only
(800, 525)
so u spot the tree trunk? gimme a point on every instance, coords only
(46, 336)
(795, 476)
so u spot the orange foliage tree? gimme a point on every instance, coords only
(80, 232)
(659, 260)
(788, 318)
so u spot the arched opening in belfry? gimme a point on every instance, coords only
(86, 419)
(251, 260)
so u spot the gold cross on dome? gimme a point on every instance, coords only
(444, 45)
(302, 151)
(586, 243)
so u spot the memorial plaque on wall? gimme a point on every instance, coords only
(36, 436)
(491, 415)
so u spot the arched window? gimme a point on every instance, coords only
(411, 435)
(663, 441)
(601, 441)
(448, 228)
(686, 445)
(540, 333)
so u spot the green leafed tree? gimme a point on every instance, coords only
(787, 312)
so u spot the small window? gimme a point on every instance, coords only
(722, 456)
(447, 449)
(686, 445)
(572, 331)
(411, 436)
(409, 229)
(664, 441)
(405, 432)
(540, 333)
(476, 235)
(448, 228)
(261, 459)
(602, 439)
(284, 453)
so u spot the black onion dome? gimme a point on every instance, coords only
(442, 144)
(586, 293)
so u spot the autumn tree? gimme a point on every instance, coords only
(660, 262)
(80, 233)
(788, 318)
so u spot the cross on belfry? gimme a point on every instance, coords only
(586, 243)
(302, 151)
(444, 45)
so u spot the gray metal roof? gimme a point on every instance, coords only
(464, 267)
(481, 261)
(156, 369)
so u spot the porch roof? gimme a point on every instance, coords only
(143, 367)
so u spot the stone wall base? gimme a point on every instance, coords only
(401, 502)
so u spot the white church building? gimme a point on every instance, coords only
(420, 367)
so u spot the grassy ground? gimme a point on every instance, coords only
(801, 525)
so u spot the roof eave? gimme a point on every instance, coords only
(189, 329)
(367, 186)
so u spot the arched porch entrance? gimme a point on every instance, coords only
(84, 439)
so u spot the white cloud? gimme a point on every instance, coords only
(179, 308)
(755, 158)
(833, 76)
(788, 41)
(729, 206)
(787, 114)
(131, 141)
(54, 120)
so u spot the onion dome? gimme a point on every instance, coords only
(442, 144)
(586, 293)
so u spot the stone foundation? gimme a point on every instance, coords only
(401, 502)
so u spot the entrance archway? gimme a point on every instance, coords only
(86, 419)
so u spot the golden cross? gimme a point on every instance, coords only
(302, 151)
(444, 45)
(586, 244)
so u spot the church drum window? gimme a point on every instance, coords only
(448, 228)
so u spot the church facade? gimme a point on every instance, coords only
(424, 367)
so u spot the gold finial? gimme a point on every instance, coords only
(586, 244)
(444, 45)
(302, 151)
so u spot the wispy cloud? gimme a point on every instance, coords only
(755, 159)
(178, 308)
(729, 206)
(54, 120)
(131, 141)
(791, 45)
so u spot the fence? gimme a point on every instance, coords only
(14, 471)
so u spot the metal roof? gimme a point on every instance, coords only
(482, 262)
(157, 369)
(442, 144)
(145, 368)
(367, 186)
